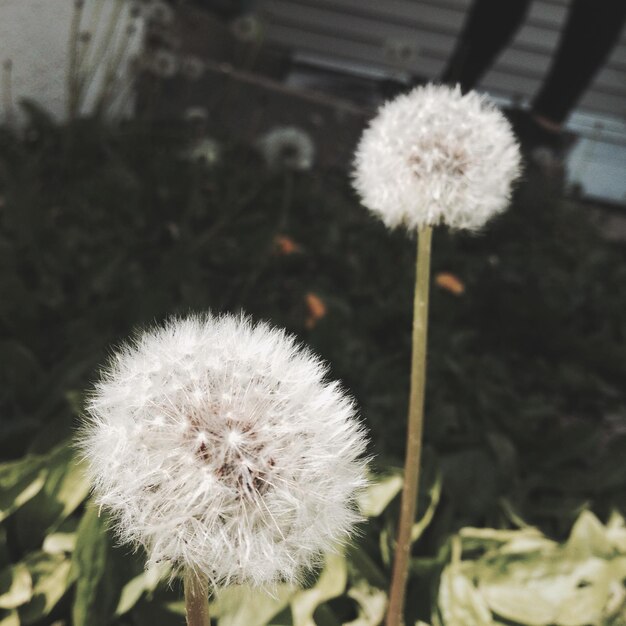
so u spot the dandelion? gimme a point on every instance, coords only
(435, 156)
(287, 148)
(432, 156)
(220, 447)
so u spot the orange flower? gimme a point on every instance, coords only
(284, 245)
(449, 282)
(316, 309)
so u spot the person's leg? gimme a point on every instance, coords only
(489, 26)
(592, 29)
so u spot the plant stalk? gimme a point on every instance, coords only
(196, 600)
(72, 74)
(414, 435)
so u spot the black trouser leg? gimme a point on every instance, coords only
(592, 29)
(489, 26)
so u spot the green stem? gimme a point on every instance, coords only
(415, 427)
(102, 52)
(196, 600)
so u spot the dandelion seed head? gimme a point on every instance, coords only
(247, 28)
(287, 147)
(220, 446)
(434, 156)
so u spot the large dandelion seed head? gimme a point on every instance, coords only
(434, 156)
(220, 447)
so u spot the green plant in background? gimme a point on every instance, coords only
(431, 156)
(522, 577)
(103, 229)
(104, 42)
(490, 576)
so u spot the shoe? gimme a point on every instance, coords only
(540, 146)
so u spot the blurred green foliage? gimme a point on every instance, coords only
(104, 229)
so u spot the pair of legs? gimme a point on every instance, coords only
(591, 30)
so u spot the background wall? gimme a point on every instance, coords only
(35, 36)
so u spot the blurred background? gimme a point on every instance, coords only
(159, 158)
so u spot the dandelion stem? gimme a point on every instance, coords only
(415, 427)
(196, 600)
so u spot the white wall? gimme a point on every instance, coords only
(35, 34)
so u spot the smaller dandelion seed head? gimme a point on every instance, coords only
(435, 156)
(287, 148)
(247, 28)
(219, 446)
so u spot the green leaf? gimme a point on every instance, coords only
(376, 498)
(9, 618)
(19, 482)
(131, 594)
(91, 567)
(588, 538)
(151, 613)
(66, 487)
(134, 589)
(549, 590)
(616, 532)
(16, 586)
(459, 602)
(4, 552)
(59, 543)
(490, 538)
(331, 583)
(435, 495)
(50, 575)
(364, 565)
(525, 578)
(372, 604)
(236, 606)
